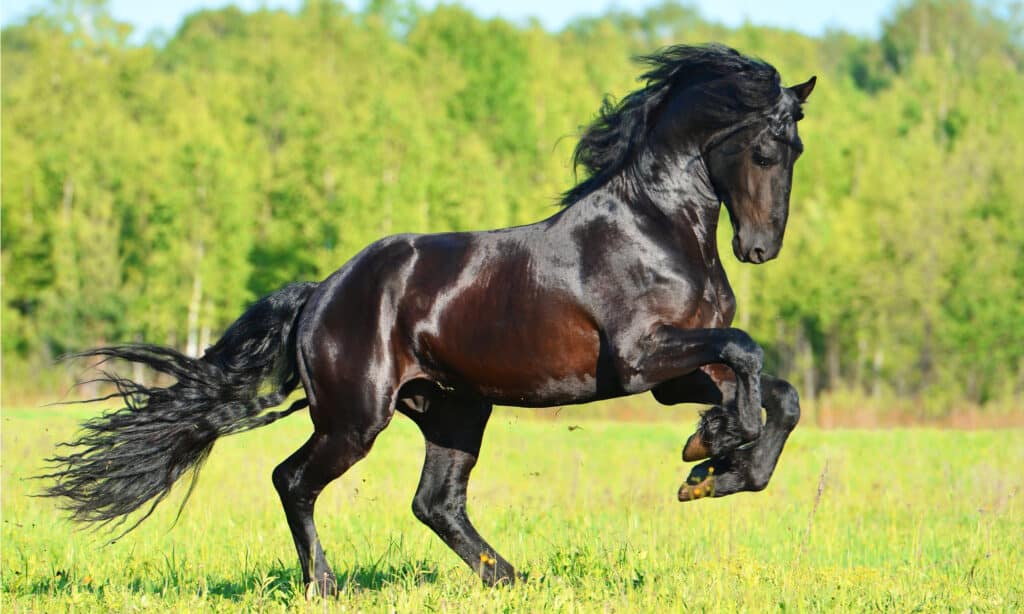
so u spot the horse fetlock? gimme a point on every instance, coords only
(718, 432)
(495, 571)
(323, 584)
(758, 480)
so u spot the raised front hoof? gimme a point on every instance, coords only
(699, 484)
(695, 449)
(720, 476)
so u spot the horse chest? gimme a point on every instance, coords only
(708, 305)
(719, 304)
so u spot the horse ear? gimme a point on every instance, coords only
(804, 90)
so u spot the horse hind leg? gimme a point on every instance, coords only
(302, 476)
(453, 432)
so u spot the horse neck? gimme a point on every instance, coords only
(677, 188)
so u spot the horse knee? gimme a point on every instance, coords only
(788, 403)
(743, 353)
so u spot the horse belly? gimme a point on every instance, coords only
(538, 353)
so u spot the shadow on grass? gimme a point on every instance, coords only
(277, 582)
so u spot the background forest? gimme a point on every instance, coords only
(151, 191)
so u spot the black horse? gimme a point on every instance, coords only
(619, 292)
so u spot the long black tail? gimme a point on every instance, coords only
(127, 458)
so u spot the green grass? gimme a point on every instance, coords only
(907, 520)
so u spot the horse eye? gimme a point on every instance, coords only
(762, 160)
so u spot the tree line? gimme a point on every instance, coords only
(151, 191)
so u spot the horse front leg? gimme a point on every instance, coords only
(749, 468)
(672, 355)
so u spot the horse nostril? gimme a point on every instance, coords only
(757, 255)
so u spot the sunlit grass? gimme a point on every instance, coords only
(906, 519)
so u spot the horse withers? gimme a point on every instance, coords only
(620, 292)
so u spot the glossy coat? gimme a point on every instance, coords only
(620, 292)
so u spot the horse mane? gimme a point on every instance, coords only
(723, 86)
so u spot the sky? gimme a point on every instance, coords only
(808, 16)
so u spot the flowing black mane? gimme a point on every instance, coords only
(723, 87)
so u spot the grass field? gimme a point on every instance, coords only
(906, 520)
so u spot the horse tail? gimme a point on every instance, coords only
(127, 458)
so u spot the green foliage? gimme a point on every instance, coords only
(590, 515)
(150, 192)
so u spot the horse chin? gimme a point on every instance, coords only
(736, 250)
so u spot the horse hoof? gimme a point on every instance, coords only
(695, 449)
(326, 587)
(700, 483)
(692, 492)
